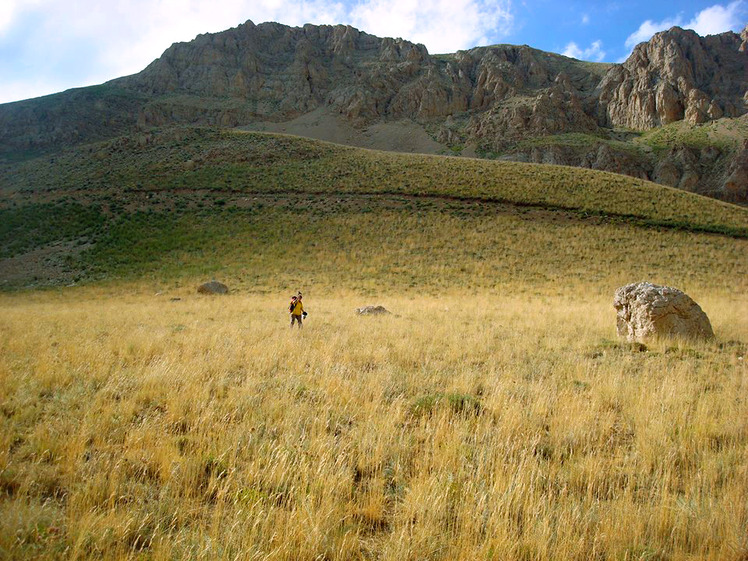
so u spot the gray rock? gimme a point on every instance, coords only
(646, 311)
(372, 311)
(213, 287)
(675, 75)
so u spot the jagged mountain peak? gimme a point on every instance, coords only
(677, 75)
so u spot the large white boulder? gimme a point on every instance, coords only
(646, 311)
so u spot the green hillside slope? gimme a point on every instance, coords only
(193, 201)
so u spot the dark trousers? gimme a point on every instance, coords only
(295, 318)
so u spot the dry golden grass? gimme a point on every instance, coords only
(494, 416)
(462, 427)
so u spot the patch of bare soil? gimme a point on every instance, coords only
(43, 266)
(323, 124)
(735, 130)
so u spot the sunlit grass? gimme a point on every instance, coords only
(402, 244)
(493, 415)
(463, 426)
(185, 160)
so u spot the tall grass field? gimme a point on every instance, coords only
(494, 414)
(459, 427)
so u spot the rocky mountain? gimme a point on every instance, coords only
(677, 75)
(276, 72)
(505, 101)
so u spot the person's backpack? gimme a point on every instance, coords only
(291, 306)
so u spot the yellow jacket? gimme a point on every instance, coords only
(298, 308)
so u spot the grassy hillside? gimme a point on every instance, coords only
(246, 162)
(205, 201)
(266, 244)
(493, 415)
(726, 135)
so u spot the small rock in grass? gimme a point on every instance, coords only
(372, 311)
(213, 287)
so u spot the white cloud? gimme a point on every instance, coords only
(121, 37)
(442, 25)
(572, 50)
(709, 21)
(7, 13)
(718, 19)
(594, 52)
(131, 34)
(648, 29)
(585, 19)
(28, 88)
(11, 9)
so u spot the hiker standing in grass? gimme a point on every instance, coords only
(297, 309)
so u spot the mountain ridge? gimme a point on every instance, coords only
(490, 99)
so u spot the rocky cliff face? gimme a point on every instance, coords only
(491, 97)
(507, 91)
(676, 75)
(280, 72)
(277, 72)
(708, 170)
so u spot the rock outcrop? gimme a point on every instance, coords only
(213, 287)
(599, 156)
(372, 311)
(272, 71)
(646, 311)
(735, 187)
(506, 91)
(676, 75)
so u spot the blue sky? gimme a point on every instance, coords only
(48, 46)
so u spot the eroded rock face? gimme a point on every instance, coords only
(272, 71)
(278, 72)
(735, 187)
(713, 171)
(677, 75)
(646, 311)
(213, 287)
